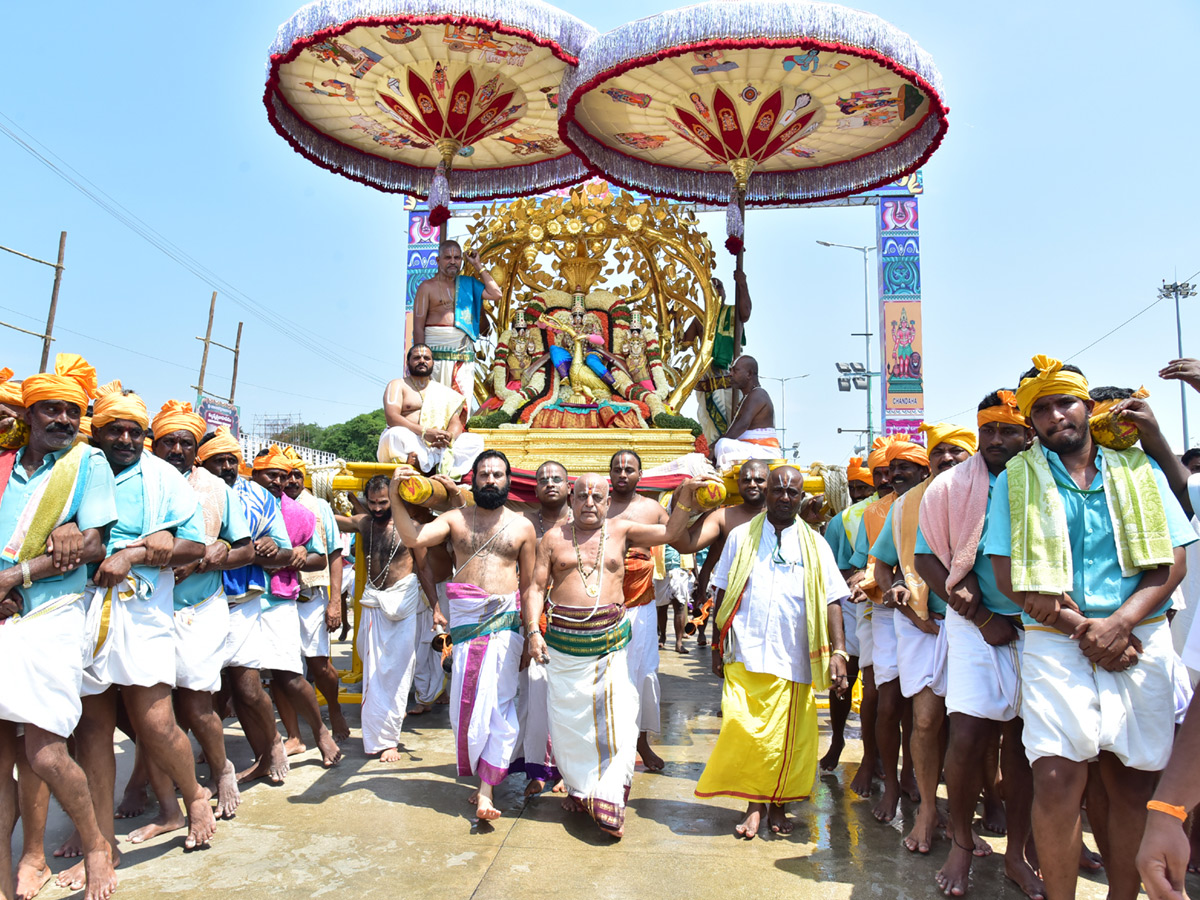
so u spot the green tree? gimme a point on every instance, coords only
(356, 440)
(302, 435)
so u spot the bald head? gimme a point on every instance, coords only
(744, 373)
(589, 500)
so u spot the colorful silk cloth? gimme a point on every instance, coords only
(485, 630)
(767, 748)
(453, 359)
(593, 708)
(264, 519)
(301, 527)
(326, 537)
(638, 585)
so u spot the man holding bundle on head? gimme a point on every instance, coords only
(1088, 541)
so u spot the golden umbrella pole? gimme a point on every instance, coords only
(439, 191)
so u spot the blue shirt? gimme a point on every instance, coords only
(835, 534)
(179, 513)
(884, 550)
(862, 549)
(985, 574)
(203, 585)
(92, 506)
(1099, 588)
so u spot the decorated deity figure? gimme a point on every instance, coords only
(904, 333)
(586, 372)
(633, 351)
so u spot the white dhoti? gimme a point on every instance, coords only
(593, 709)
(200, 634)
(133, 635)
(397, 442)
(242, 643)
(279, 638)
(850, 626)
(981, 680)
(533, 712)
(429, 678)
(453, 358)
(314, 636)
(883, 640)
(754, 443)
(41, 665)
(483, 689)
(1074, 710)
(387, 644)
(864, 630)
(920, 657)
(642, 654)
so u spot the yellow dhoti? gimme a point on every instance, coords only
(767, 748)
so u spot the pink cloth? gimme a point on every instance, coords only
(300, 524)
(952, 513)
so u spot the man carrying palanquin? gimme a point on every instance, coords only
(779, 597)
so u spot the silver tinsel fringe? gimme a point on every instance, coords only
(542, 19)
(765, 188)
(396, 177)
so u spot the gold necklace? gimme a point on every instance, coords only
(584, 576)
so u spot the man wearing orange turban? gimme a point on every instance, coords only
(50, 481)
(159, 528)
(201, 608)
(983, 643)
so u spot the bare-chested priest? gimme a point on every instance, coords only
(448, 315)
(426, 421)
(387, 636)
(751, 434)
(497, 548)
(593, 703)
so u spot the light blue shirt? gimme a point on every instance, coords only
(835, 534)
(92, 506)
(1099, 588)
(884, 550)
(202, 585)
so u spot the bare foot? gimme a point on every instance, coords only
(337, 724)
(777, 821)
(535, 787)
(908, 786)
(391, 754)
(1089, 860)
(274, 766)
(618, 833)
(982, 847)
(31, 878)
(294, 746)
(229, 798)
(473, 797)
(1020, 873)
(955, 872)
(994, 819)
(885, 809)
(167, 820)
(419, 709)
(485, 811)
(679, 648)
(99, 877)
(330, 754)
(132, 804)
(833, 755)
(573, 804)
(202, 825)
(920, 839)
(864, 781)
(72, 848)
(559, 788)
(748, 827)
(651, 760)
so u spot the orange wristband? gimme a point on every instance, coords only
(1177, 812)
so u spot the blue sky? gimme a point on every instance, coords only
(1054, 209)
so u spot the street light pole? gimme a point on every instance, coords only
(1178, 291)
(866, 329)
(783, 397)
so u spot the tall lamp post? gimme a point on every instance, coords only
(1179, 291)
(783, 398)
(866, 332)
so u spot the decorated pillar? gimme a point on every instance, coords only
(902, 362)
(421, 262)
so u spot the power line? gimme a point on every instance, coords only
(164, 245)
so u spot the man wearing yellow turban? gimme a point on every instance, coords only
(983, 644)
(201, 617)
(220, 454)
(948, 445)
(46, 483)
(1091, 555)
(159, 527)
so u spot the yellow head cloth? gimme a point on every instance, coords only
(273, 459)
(112, 404)
(902, 448)
(878, 455)
(1103, 406)
(856, 471)
(1006, 413)
(945, 433)
(295, 460)
(177, 416)
(10, 393)
(223, 442)
(1051, 379)
(73, 380)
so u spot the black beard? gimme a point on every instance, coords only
(489, 497)
(1061, 445)
(382, 516)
